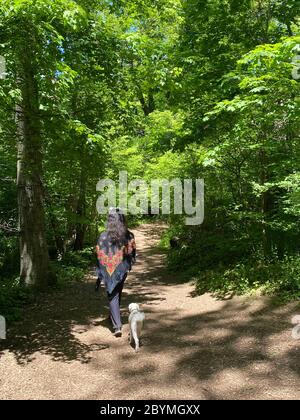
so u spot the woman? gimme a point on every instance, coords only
(116, 252)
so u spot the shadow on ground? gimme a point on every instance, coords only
(244, 356)
(48, 326)
(233, 342)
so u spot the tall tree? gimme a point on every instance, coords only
(31, 39)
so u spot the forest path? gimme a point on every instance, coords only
(194, 347)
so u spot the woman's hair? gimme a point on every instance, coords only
(116, 227)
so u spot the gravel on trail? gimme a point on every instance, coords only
(193, 347)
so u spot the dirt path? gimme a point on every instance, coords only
(194, 347)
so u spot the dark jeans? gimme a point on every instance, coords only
(114, 304)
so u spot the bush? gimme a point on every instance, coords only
(73, 266)
(80, 259)
(199, 249)
(281, 278)
(67, 274)
(9, 255)
(13, 297)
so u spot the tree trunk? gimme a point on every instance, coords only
(34, 264)
(148, 106)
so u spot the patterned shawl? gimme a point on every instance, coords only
(114, 261)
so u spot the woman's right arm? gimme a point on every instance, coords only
(131, 248)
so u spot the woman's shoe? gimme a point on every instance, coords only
(97, 285)
(118, 333)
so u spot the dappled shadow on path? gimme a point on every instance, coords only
(223, 353)
(48, 326)
(238, 348)
(54, 323)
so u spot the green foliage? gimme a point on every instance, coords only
(13, 298)
(80, 259)
(161, 89)
(72, 267)
(243, 120)
(279, 278)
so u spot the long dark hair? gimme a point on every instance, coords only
(116, 227)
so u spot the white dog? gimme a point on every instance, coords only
(136, 321)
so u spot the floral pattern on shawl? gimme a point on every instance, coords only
(110, 260)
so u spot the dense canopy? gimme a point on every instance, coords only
(206, 89)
